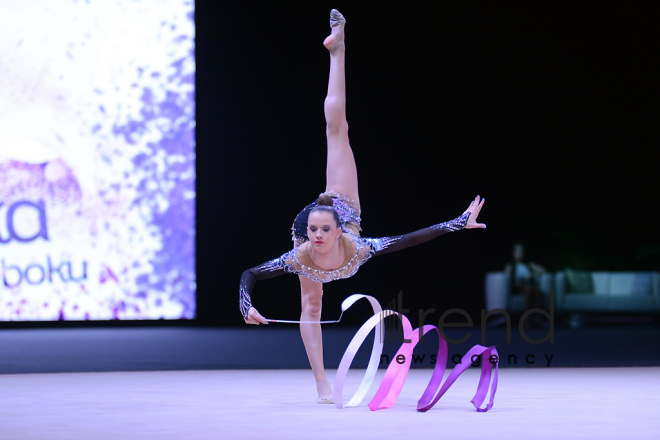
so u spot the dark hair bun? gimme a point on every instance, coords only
(324, 199)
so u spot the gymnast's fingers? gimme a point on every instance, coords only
(252, 314)
(256, 316)
(478, 208)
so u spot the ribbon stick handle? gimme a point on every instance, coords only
(345, 305)
(286, 321)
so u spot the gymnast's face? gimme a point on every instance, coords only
(322, 231)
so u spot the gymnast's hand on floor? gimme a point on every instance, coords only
(474, 209)
(254, 317)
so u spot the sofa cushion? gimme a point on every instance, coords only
(578, 281)
(643, 284)
(601, 283)
(630, 284)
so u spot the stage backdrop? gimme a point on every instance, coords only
(97, 159)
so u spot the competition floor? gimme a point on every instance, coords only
(539, 403)
(255, 382)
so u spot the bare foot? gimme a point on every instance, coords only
(335, 41)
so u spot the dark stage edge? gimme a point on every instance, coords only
(271, 347)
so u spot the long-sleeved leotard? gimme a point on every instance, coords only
(357, 251)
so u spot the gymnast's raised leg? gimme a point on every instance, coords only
(341, 176)
(341, 173)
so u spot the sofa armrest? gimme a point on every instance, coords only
(655, 290)
(497, 290)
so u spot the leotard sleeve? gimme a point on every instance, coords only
(385, 245)
(270, 269)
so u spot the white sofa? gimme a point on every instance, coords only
(613, 292)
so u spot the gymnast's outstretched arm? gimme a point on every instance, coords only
(468, 220)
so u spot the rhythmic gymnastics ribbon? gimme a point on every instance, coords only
(396, 374)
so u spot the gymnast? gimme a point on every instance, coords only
(326, 234)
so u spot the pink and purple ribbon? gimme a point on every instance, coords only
(396, 374)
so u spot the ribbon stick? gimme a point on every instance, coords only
(348, 302)
(285, 321)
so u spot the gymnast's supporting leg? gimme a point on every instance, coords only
(341, 176)
(341, 173)
(312, 293)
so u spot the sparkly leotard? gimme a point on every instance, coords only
(357, 250)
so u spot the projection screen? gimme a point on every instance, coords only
(97, 160)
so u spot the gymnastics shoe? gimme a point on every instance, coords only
(335, 41)
(336, 19)
(325, 392)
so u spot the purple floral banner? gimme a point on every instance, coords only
(97, 160)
